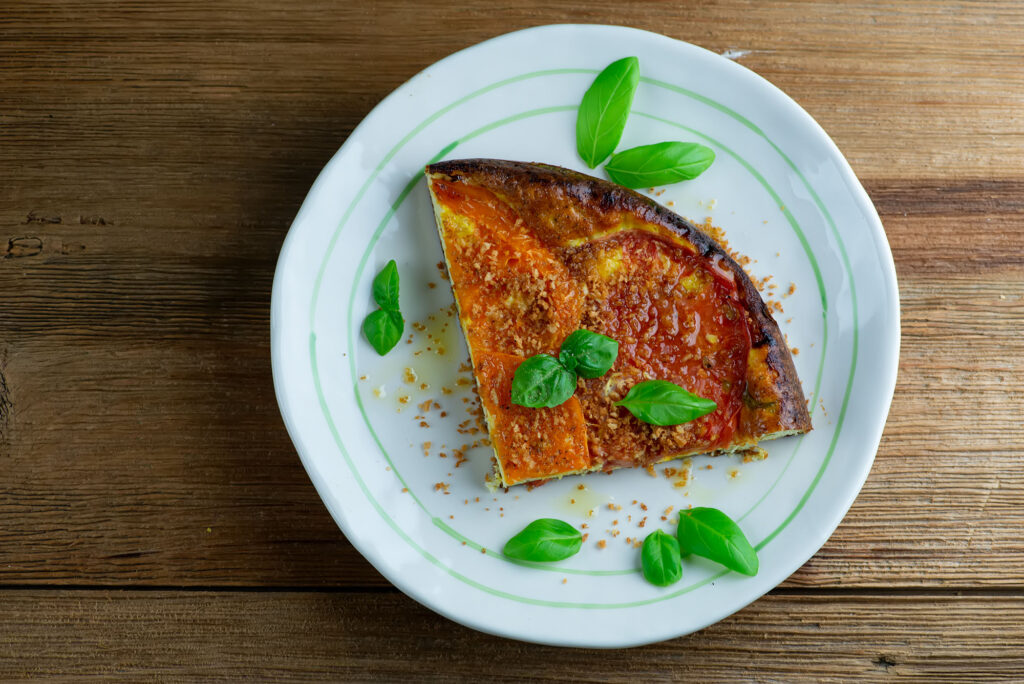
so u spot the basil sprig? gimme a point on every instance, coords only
(659, 164)
(542, 382)
(385, 287)
(383, 328)
(605, 107)
(660, 560)
(711, 534)
(660, 402)
(601, 120)
(589, 354)
(544, 540)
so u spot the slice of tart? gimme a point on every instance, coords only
(536, 252)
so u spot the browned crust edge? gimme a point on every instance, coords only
(609, 197)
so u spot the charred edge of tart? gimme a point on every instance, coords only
(609, 197)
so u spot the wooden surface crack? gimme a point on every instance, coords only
(25, 246)
(6, 407)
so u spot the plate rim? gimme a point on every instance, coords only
(859, 195)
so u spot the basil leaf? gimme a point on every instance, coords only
(383, 329)
(542, 382)
(711, 534)
(660, 560)
(660, 402)
(385, 287)
(544, 540)
(659, 164)
(605, 107)
(589, 354)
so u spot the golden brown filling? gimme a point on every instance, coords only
(523, 285)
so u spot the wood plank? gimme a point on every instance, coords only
(137, 79)
(185, 428)
(155, 154)
(357, 636)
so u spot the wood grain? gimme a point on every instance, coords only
(152, 156)
(187, 423)
(358, 636)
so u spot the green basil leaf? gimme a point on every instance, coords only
(660, 402)
(542, 382)
(544, 540)
(589, 354)
(660, 560)
(383, 329)
(385, 287)
(711, 534)
(659, 164)
(605, 107)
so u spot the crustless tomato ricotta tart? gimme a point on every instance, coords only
(536, 252)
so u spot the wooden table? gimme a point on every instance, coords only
(156, 521)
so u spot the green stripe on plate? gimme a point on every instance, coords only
(394, 207)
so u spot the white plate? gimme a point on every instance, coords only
(787, 199)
